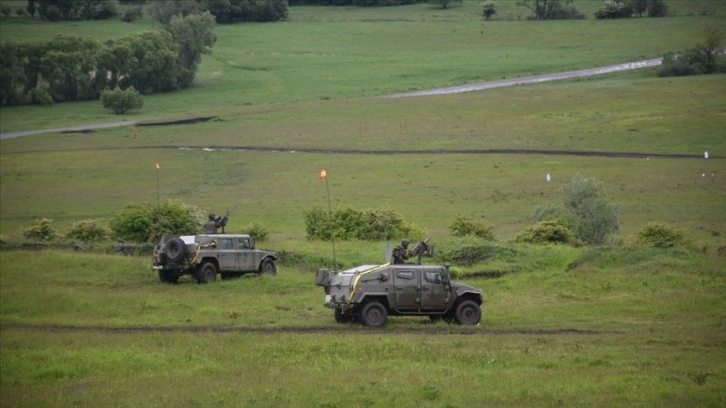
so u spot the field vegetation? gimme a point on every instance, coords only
(638, 321)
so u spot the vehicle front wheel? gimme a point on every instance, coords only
(374, 314)
(268, 267)
(340, 316)
(468, 312)
(207, 273)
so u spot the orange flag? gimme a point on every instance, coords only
(323, 174)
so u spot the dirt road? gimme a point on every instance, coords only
(432, 92)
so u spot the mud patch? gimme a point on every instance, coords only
(189, 121)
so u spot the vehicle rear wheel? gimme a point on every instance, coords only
(468, 312)
(374, 314)
(174, 249)
(268, 267)
(206, 273)
(168, 276)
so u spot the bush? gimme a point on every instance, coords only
(42, 231)
(348, 223)
(120, 101)
(104, 10)
(488, 9)
(132, 14)
(88, 231)
(464, 226)
(661, 235)
(614, 9)
(148, 222)
(545, 232)
(258, 231)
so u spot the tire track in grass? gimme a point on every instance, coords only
(338, 329)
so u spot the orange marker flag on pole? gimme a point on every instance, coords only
(323, 174)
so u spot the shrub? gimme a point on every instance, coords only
(104, 10)
(589, 213)
(661, 235)
(465, 226)
(147, 222)
(132, 14)
(88, 231)
(348, 223)
(614, 9)
(488, 9)
(42, 231)
(120, 101)
(547, 231)
(258, 231)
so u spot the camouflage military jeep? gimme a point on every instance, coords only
(205, 255)
(370, 293)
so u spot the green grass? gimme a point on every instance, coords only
(624, 320)
(615, 326)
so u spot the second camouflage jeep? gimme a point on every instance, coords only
(370, 293)
(205, 255)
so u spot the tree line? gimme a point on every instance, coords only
(225, 11)
(73, 68)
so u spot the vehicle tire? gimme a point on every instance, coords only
(168, 276)
(206, 273)
(174, 249)
(468, 313)
(374, 314)
(268, 267)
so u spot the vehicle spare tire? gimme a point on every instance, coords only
(174, 249)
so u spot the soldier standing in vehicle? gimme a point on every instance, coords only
(400, 252)
(210, 227)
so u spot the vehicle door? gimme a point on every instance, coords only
(406, 287)
(245, 256)
(227, 254)
(435, 293)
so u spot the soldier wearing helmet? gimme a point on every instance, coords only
(210, 227)
(400, 252)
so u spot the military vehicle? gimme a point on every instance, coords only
(371, 293)
(205, 255)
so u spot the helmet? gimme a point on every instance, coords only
(405, 242)
(211, 216)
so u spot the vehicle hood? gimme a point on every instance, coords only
(461, 289)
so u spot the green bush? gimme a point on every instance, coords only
(120, 101)
(88, 231)
(587, 210)
(258, 231)
(661, 235)
(132, 14)
(42, 231)
(348, 223)
(465, 226)
(147, 222)
(547, 231)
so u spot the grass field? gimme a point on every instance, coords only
(619, 325)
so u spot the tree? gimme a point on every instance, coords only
(639, 6)
(582, 207)
(543, 9)
(614, 9)
(591, 215)
(194, 35)
(709, 45)
(657, 8)
(488, 9)
(120, 101)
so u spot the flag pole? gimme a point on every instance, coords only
(324, 175)
(158, 194)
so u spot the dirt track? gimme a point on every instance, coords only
(426, 329)
(440, 91)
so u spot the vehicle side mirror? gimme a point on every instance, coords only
(385, 277)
